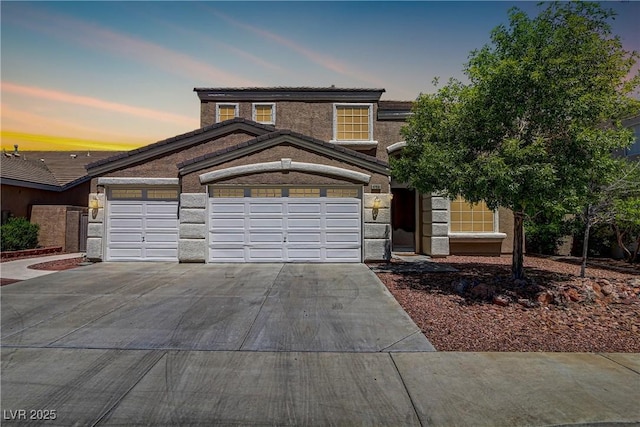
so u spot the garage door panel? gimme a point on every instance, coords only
(303, 254)
(222, 223)
(340, 208)
(161, 253)
(125, 237)
(313, 223)
(262, 223)
(228, 237)
(342, 223)
(170, 223)
(128, 253)
(304, 237)
(342, 237)
(260, 237)
(339, 254)
(128, 223)
(167, 238)
(227, 207)
(266, 208)
(161, 209)
(126, 208)
(306, 208)
(227, 255)
(264, 254)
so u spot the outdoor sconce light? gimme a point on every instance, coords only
(375, 207)
(94, 205)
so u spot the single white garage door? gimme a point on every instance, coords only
(142, 225)
(307, 225)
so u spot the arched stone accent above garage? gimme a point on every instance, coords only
(285, 166)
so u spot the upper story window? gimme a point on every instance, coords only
(226, 112)
(264, 113)
(353, 124)
(468, 218)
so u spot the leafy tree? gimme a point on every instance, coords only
(626, 224)
(527, 128)
(613, 198)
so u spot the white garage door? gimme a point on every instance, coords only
(142, 225)
(308, 225)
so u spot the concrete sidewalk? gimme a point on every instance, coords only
(18, 270)
(176, 388)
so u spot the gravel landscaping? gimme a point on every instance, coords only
(480, 308)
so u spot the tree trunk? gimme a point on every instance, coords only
(620, 238)
(637, 251)
(585, 240)
(517, 261)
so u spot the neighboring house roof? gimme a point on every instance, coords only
(261, 94)
(394, 110)
(276, 138)
(47, 170)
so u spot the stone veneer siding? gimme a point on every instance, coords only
(192, 243)
(95, 231)
(377, 227)
(435, 226)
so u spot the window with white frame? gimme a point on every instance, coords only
(226, 112)
(264, 113)
(353, 123)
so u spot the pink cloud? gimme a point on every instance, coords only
(86, 101)
(95, 37)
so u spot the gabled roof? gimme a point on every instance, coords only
(284, 136)
(47, 170)
(178, 142)
(261, 94)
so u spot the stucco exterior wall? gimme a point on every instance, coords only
(314, 119)
(191, 182)
(165, 166)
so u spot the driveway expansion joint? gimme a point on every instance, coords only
(618, 363)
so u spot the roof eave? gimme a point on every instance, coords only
(288, 94)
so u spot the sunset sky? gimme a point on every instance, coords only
(118, 75)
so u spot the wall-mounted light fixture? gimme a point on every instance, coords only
(375, 207)
(94, 205)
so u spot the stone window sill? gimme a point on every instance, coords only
(477, 237)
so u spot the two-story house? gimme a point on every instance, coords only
(279, 175)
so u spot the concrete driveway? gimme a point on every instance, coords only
(256, 307)
(176, 344)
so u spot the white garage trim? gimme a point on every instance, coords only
(284, 165)
(137, 181)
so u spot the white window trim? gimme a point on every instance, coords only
(475, 236)
(273, 112)
(226, 104)
(369, 143)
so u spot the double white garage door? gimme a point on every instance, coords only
(243, 229)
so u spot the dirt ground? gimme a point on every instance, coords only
(480, 308)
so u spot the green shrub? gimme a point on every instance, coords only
(18, 234)
(544, 234)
